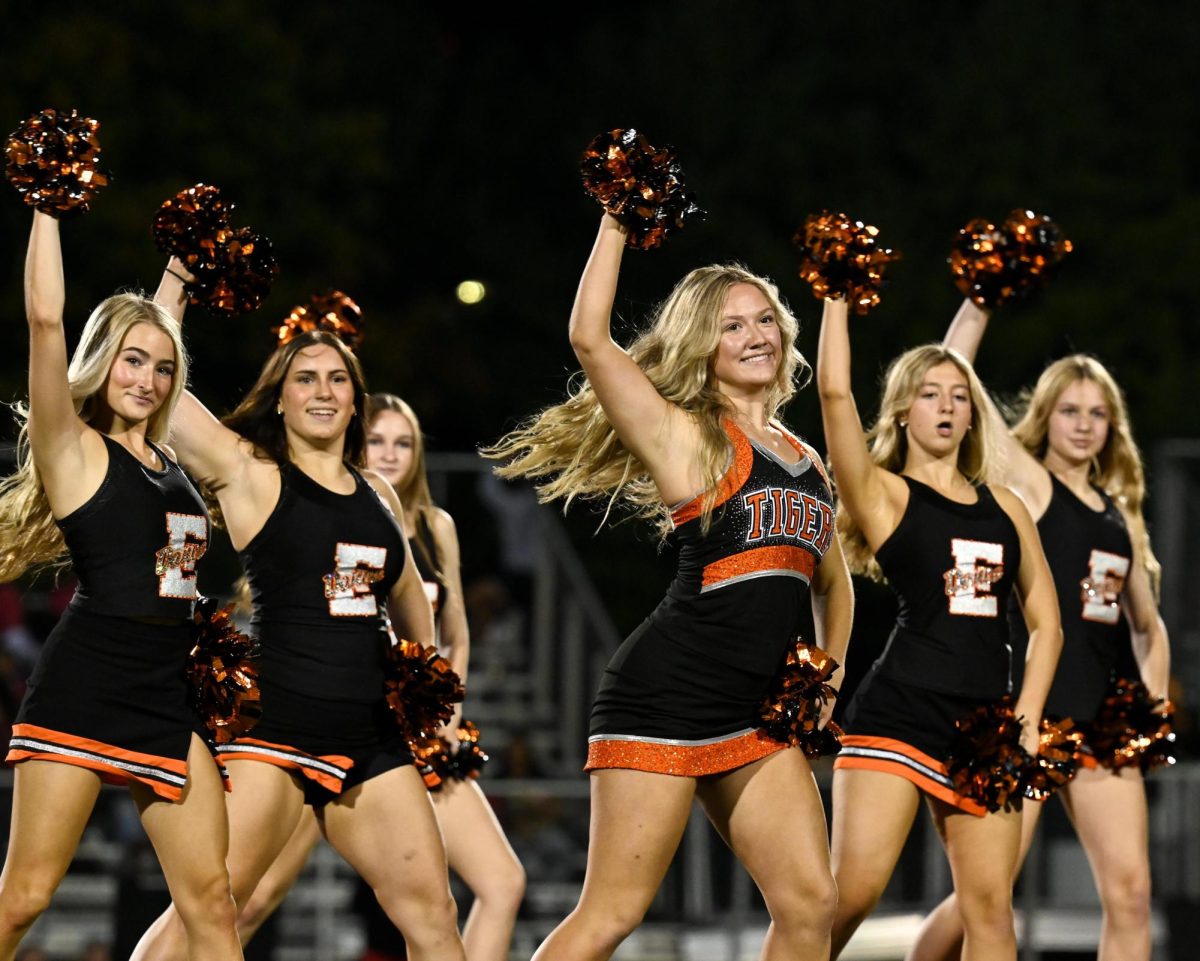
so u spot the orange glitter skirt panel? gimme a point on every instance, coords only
(658, 755)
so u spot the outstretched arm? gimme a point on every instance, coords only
(657, 432)
(874, 497)
(170, 293)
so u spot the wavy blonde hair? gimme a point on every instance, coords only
(978, 458)
(29, 536)
(413, 490)
(572, 449)
(1117, 469)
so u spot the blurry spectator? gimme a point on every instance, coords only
(16, 639)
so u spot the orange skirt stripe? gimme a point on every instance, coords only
(730, 484)
(165, 776)
(328, 770)
(759, 560)
(889, 756)
(661, 756)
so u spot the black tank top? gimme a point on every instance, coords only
(319, 573)
(1089, 553)
(953, 567)
(135, 543)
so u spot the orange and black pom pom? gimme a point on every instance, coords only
(995, 265)
(1057, 758)
(639, 184)
(422, 689)
(333, 311)
(1132, 728)
(840, 257)
(792, 711)
(51, 160)
(985, 761)
(221, 674)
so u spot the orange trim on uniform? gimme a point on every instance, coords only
(759, 560)
(889, 756)
(328, 770)
(730, 484)
(682, 760)
(165, 776)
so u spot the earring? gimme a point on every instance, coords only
(279, 409)
(902, 423)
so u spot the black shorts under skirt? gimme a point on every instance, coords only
(334, 745)
(109, 694)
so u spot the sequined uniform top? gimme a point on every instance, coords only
(1089, 553)
(135, 543)
(952, 567)
(696, 671)
(319, 573)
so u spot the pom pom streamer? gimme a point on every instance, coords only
(421, 688)
(1057, 759)
(640, 185)
(792, 711)
(840, 257)
(438, 761)
(985, 761)
(51, 160)
(1132, 728)
(333, 311)
(994, 265)
(221, 675)
(233, 266)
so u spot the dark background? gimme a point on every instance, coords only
(394, 149)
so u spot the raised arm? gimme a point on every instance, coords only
(1149, 633)
(875, 497)
(1023, 472)
(170, 293)
(70, 458)
(657, 432)
(1039, 604)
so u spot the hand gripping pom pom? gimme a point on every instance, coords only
(841, 257)
(469, 759)
(640, 185)
(1057, 759)
(220, 673)
(233, 266)
(985, 761)
(438, 761)
(792, 711)
(51, 160)
(421, 688)
(432, 760)
(333, 311)
(1132, 728)
(994, 265)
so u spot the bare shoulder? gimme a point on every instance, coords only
(442, 525)
(382, 488)
(169, 453)
(1012, 503)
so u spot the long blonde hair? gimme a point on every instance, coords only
(573, 449)
(1117, 469)
(978, 459)
(413, 490)
(29, 536)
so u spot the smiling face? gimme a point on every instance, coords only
(748, 353)
(940, 414)
(1078, 425)
(391, 443)
(317, 395)
(141, 377)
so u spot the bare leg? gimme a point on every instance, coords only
(386, 829)
(941, 935)
(191, 839)
(51, 805)
(1109, 814)
(872, 815)
(263, 810)
(481, 855)
(770, 815)
(278, 881)
(983, 858)
(638, 819)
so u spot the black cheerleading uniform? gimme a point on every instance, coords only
(320, 571)
(953, 567)
(109, 691)
(682, 694)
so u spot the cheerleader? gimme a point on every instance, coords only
(1073, 460)
(915, 509)
(325, 556)
(681, 427)
(108, 699)
(475, 843)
